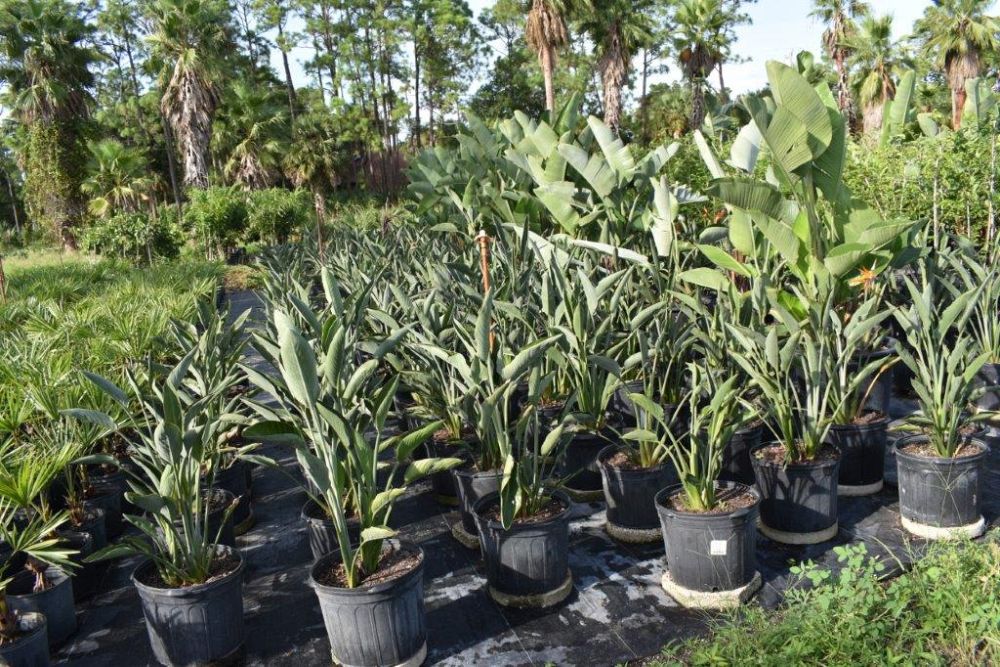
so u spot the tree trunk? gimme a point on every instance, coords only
(13, 204)
(546, 56)
(697, 104)
(319, 203)
(873, 117)
(416, 95)
(723, 95)
(168, 140)
(958, 96)
(330, 47)
(288, 72)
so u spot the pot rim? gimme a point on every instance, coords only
(662, 495)
(188, 591)
(939, 460)
(797, 465)
(56, 574)
(614, 449)
(489, 498)
(881, 422)
(324, 519)
(381, 587)
(464, 470)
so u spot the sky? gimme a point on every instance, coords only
(780, 29)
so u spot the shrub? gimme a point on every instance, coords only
(218, 218)
(134, 236)
(274, 214)
(944, 611)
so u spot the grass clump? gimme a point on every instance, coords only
(944, 611)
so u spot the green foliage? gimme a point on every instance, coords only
(217, 217)
(942, 612)
(134, 237)
(275, 214)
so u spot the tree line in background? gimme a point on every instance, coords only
(118, 108)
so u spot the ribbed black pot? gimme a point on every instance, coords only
(93, 525)
(629, 493)
(402, 402)
(234, 480)
(880, 386)
(471, 487)
(528, 559)
(321, 530)
(227, 536)
(988, 379)
(710, 552)
(14, 560)
(736, 466)
(939, 492)
(86, 576)
(31, 649)
(579, 460)
(622, 407)
(107, 497)
(194, 625)
(56, 602)
(862, 452)
(374, 626)
(799, 499)
(443, 483)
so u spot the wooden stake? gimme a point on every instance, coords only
(484, 267)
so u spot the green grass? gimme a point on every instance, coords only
(945, 611)
(66, 314)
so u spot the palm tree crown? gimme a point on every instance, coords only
(874, 57)
(956, 34)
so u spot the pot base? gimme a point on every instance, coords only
(855, 490)
(686, 597)
(633, 535)
(580, 496)
(785, 537)
(971, 530)
(450, 501)
(540, 601)
(417, 659)
(245, 526)
(464, 537)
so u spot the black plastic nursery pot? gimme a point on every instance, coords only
(622, 407)
(629, 493)
(107, 497)
(862, 455)
(471, 486)
(55, 602)
(736, 466)
(379, 625)
(527, 565)
(939, 497)
(443, 483)
(711, 556)
(234, 479)
(194, 625)
(879, 388)
(86, 576)
(798, 500)
(988, 379)
(578, 463)
(322, 532)
(93, 525)
(31, 649)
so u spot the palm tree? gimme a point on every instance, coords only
(311, 163)
(839, 16)
(699, 38)
(189, 35)
(956, 35)
(874, 57)
(546, 34)
(45, 63)
(618, 28)
(117, 178)
(254, 134)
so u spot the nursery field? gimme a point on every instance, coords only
(560, 411)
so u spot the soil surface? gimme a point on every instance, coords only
(868, 417)
(728, 501)
(553, 508)
(221, 567)
(622, 461)
(394, 564)
(775, 454)
(926, 450)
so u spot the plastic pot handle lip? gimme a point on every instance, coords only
(662, 496)
(490, 498)
(984, 450)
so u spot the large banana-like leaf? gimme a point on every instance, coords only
(749, 194)
(792, 91)
(617, 154)
(928, 125)
(708, 155)
(746, 147)
(593, 168)
(828, 168)
(557, 199)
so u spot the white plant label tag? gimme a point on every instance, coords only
(717, 547)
